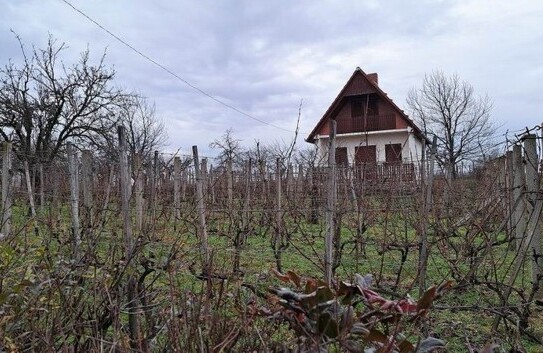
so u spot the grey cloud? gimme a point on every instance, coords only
(263, 57)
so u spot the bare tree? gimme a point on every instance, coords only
(44, 103)
(229, 148)
(308, 156)
(448, 108)
(145, 131)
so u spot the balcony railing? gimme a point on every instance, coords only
(367, 123)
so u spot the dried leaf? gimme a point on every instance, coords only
(444, 287)
(280, 276)
(430, 344)
(286, 294)
(425, 302)
(359, 329)
(294, 278)
(376, 336)
(489, 347)
(372, 297)
(311, 285)
(363, 281)
(320, 296)
(327, 325)
(352, 346)
(324, 294)
(406, 347)
(347, 318)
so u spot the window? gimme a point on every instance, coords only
(365, 154)
(341, 156)
(365, 105)
(393, 153)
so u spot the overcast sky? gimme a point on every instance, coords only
(263, 57)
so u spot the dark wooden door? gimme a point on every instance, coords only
(393, 153)
(341, 156)
(365, 154)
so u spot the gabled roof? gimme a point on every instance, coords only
(337, 103)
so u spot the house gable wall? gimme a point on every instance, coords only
(341, 109)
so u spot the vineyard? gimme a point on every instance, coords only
(179, 253)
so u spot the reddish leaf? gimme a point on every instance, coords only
(388, 305)
(371, 296)
(407, 306)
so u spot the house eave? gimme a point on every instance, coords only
(364, 133)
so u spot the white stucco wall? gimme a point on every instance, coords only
(411, 146)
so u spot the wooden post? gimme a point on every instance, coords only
(125, 184)
(204, 177)
(138, 192)
(518, 190)
(29, 190)
(313, 209)
(176, 188)
(152, 210)
(240, 236)
(107, 196)
(124, 180)
(211, 184)
(289, 180)
(278, 248)
(427, 205)
(533, 221)
(42, 188)
(532, 189)
(330, 204)
(86, 183)
(184, 180)
(154, 187)
(73, 170)
(247, 200)
(509, 194)
(230, 181)
(204, 247)
(267, 181)
(300, 179)
(55, 210)
(6, 189)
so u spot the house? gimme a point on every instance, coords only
(370, 128)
